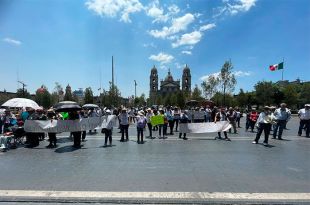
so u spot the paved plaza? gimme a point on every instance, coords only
(173, 166)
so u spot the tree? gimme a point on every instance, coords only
(210, 86)
(23, 93)
(219, 97)
(88, 96)
(43, 97)
(167, 100)
(196, 94)
(227, 80)
(68, 95)
(180, 99)
(304, 94)
(159, 100)
(265, 92)
(290, 95)
(242, 99)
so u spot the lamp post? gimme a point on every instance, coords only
(135, 89)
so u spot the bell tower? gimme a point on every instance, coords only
(186, 79)
(153, 85)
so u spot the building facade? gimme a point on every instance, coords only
(168, 86)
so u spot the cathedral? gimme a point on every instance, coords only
(168, 86)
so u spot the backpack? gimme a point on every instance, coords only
(141, 122)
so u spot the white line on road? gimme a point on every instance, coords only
(154, 195)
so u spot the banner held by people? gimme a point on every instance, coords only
(208, 127)
(157, 120)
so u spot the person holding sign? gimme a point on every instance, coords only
(184, 119)
(221, 116)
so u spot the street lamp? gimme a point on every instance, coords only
(135, 88)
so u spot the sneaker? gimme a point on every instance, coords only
(280, 138)
(122, 140)
(227, 139)
(185, 138)
(218, 138)
(165, 137)
(138, 142)
(105, 145)
(299, 135)
(254, 142)
(265, 143)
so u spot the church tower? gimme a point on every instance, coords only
(153, 85)
(186, 79)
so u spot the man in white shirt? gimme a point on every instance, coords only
(282, 116)
(149, 114)
(304, 116)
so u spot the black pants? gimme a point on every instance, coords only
(108, 136)
(171, 125)
(220, 136)
(52, 138)
(176, 122)
(266, 127)
(77, 139)
(140, 134)
(252, 125)
(238, 121)
(149, 125)
(33, 139)
(124, 131)
(83, 135)
(304, 124)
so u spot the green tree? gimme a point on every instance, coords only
(210, 86)
(227, 80)
(242, 99)
(88, 96)
(167, 100)
(291, 96)
(304, 95)
(265, 92)
(174, 99)
(196, 94)
(43, 97)
(23, 93)
(181, 99)
(159, 100)
(219, 97)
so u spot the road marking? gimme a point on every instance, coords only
(155, 195)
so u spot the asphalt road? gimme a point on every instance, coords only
(200, 164)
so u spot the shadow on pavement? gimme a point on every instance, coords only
(64, 140)
(67, 148)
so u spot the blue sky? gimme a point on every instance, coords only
(72, 41)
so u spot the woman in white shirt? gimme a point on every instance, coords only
(264, 124)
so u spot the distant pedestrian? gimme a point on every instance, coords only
(176, 117)
(51, 115)
(169, 115)
(108, 130)
(232, 117)
(74, 115)
(282, 116)
(264, 124)
(238, 117)
(304, 116)
(253, 119)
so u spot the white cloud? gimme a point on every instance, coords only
(161, 57)
(187, 52)
(178, 25)
(155, 11)
(205, 77)
(188, 39)
(173, 9)
(237, 73)
(233, 7)
(240, 73)
(146, 45)
(12, 41)
(112, 8)
(178, 65)
(207, 27)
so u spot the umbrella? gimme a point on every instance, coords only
(21, 103)
(90, 106)
(192, 103)
(66, 106)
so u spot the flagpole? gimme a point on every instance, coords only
(283, 69)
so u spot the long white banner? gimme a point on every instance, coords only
(55, 126)
(205, 127)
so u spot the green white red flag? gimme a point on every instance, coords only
(276, 67)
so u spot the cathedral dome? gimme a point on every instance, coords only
(169, 77)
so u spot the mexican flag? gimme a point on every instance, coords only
(276, 67)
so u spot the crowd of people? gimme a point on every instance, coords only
(271, 119)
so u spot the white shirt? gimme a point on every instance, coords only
(264, 118)
(304, 114)
(123, 119)
(148, 117)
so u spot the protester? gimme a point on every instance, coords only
(124, 124)
(232, 117)
(264, 124)
(141, 123)
(92, 113)
(282, 116)
(74, 115)
(41, 116)
(51, 115)
(304, 116)
(208, 113)
(32, 139)
(108, 130)
(83, 114)
(238, 117)
(169, 115)
(184, 120)
(176, 117)
(149, 115)
(221, 116)
(162, 127)
(253, 119)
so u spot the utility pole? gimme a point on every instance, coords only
(112, 72)
(135, 89)
(24, 85)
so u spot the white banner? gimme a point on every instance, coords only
(55, 126)
(205, 127)
(108, 122)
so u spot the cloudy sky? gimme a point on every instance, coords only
(72, 41)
